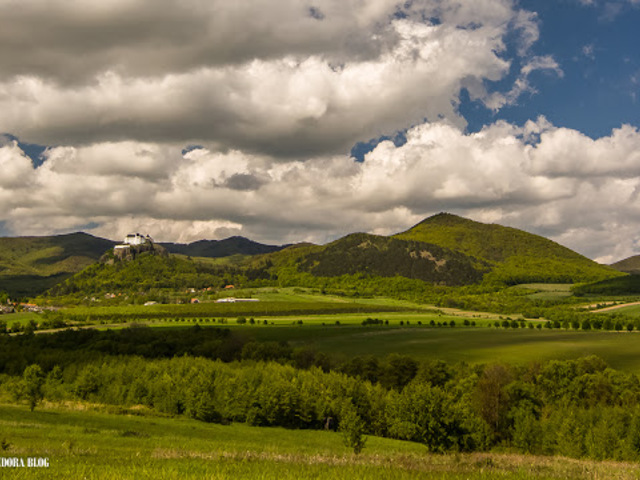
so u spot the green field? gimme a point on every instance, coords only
(22, 318)
(279, 306)
(546, 291)
(474, 345)
(632, 310)
(92, 445)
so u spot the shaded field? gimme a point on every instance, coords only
(21, 318)
(410, 333)
(463, 344)
(94, 445)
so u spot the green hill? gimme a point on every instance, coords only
(146, 272)
(628, 265)
(516, 256)
(361, 253)
(444, 250)
(29, 265)
(625, 285)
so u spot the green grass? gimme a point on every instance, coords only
(94, 445)
(282, 324)
(632, 310)
(546, 291)
(262, 308)
(473, 345)
(22, 318)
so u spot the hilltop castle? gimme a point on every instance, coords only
(135, 244)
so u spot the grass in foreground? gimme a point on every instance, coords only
(93, 445)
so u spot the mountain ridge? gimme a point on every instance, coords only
(444, 249)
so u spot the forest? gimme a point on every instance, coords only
(577, 408)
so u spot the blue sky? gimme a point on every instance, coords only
(596, 47)
(523, 113)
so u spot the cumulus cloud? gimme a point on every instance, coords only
(14, 164)
(56, 39)
(274, 94)
(544, 179)
(286, 83)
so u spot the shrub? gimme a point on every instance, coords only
(352, 429)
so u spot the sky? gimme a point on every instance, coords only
(302, 120)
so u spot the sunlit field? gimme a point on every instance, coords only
(96, 445)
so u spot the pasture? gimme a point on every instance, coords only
(95, 445)
(474, 345)
(546, 291)
(632, 309)
(463, 344)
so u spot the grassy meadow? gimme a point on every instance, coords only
(464, 344)
(633, 310)
(89, 444)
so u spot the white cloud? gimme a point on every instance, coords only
(275, 94)
(15, 166)
(548, 180)
(522, 84)
(291, 89)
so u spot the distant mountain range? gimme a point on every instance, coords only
(444, 249)
(221, 248)
(30, 265)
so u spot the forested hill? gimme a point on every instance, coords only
(516, 256)
(221, 248)
(145, 273)
(374, 255)
(444, 249)
(628, 265)
(31, 264)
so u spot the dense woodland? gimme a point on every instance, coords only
(577, 408)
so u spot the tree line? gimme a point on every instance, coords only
(578, 408)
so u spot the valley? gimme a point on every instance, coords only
(456, 349)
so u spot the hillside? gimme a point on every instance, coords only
(444, 249)
(146, 272)
(29, 265)
(628, 265)
(625, 285)
(374, 255)
(221, 248)
(516, 256)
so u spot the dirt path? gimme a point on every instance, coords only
(615, 307)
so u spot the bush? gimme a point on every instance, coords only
(352, 429)
(33, 378)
